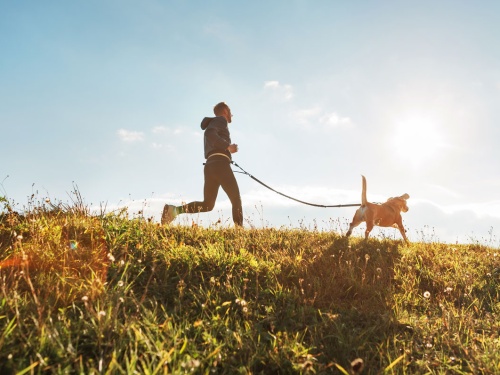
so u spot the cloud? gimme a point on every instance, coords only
(130, 136)
(279, 91)
(316, 116)
(332, 120)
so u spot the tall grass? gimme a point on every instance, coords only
(105, 294)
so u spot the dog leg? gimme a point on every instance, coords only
(356, 220)
(351, 227)
(369, 227)
(403, 233)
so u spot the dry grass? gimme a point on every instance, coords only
(105, 294)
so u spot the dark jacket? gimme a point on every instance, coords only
(217, 137)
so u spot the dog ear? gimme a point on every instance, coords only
(405, 196)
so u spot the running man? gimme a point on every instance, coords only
(217, 171)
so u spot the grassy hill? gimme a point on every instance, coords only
(109, 295)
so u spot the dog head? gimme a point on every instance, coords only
(400, 202)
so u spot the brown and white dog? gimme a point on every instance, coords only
(387, 214)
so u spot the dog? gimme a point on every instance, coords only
(387, 214)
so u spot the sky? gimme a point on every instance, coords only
(105, 98)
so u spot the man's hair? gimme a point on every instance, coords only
(219, 107)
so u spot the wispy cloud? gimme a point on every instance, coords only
(317, 117)
(280, 91)
(130, 136)
(332, 120)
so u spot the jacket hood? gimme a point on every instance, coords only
(205, 122)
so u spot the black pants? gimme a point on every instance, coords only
(218, 173)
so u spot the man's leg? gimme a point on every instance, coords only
(230, 186)
(210, 191)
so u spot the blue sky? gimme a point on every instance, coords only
(108, 96)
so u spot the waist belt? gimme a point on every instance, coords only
(218, 153)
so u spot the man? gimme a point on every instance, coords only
(218, 172)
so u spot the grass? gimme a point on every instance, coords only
(105, 294)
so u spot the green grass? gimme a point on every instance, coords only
(104, 294)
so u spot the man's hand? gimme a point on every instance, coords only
(232, 148)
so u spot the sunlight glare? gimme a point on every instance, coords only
(416, 140)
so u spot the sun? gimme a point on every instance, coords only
(416, 139)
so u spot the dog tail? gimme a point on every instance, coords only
(363, 192)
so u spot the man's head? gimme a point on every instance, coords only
(222, 109)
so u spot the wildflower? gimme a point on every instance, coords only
(245, 309)
(102, 313)
(122, 262)
(191, 365)
(85, 298)
(9, 356)
(120, 283)
(212, 280)
(111, 257)
(427, 294)
(367, 257)
(19, 238)
(448, 290)
(241, 302)
(121, 300)
(379, 270)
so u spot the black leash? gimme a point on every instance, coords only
(297, 200)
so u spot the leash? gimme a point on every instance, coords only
(287, 196)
